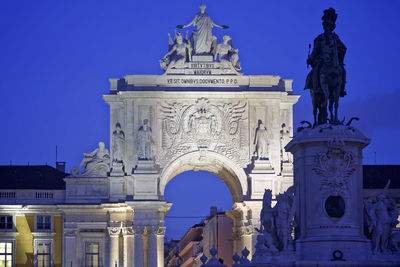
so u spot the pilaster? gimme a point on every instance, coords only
(128, 235)
(114, 233)
(70, 236)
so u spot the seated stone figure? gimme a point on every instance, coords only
(179, 52)
(227, 55)
(95, 163)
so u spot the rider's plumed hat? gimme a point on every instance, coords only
(330, 15)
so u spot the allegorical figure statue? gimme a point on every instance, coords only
(261, 142)
(118, 144)
(285, 139)
(145, 141)
(381, 216)
(327, 78)
(179, 51)
(95, 162)
(227, 55)
(202, 37)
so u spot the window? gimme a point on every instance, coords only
(43, 222)
(92, 254)
(6, 222)
(6, 254)
(43, 253)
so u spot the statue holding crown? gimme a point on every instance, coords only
(327, 78)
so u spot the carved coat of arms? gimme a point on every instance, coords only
(217, 127)
(335, 167)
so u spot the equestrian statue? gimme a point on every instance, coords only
(327, 78)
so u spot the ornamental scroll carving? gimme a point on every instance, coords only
(206, 126)
(335, 167)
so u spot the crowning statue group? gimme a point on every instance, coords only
(201, 42)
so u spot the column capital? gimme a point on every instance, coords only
(114, 231)
(156, 230)
(70, 232)
(138, 229)
(127, 231)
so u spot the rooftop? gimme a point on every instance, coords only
(43, 177)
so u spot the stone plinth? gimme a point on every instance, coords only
(262, 176)
(206, 58)
(88, 189)
(329, 202)
(145, 180)
(117, 169)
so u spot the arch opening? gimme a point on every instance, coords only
(231, 174)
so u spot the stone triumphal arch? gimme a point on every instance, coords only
(201, 114)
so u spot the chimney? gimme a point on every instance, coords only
(213, 211)
(60, 166)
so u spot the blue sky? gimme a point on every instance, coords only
(56, 58)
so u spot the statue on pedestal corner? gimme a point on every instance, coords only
(327, 78)
(381, 217)
(202, 37)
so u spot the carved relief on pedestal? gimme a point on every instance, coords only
(203, 125)
(335, 167)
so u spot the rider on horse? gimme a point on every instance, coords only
(328, 50)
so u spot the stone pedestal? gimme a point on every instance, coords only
(117, 169)
(329, 202)
(117, 188)
(262, 176)
(145, 180)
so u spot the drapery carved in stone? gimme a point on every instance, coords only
(204, 125)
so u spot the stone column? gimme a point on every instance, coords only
(152, 246)
(149, 247)
(329, 201)
(160, 246)
(128, 240)
(138, 246)
(242, 228)
(114, 245)
(69, 247)
(156, 246)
